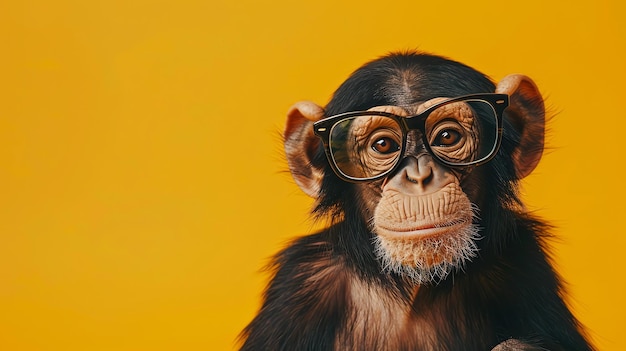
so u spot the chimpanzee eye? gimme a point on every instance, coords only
(447, 137)
(385, 145)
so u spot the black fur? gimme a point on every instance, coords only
(509, 291)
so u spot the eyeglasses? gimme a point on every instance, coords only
(459, 132)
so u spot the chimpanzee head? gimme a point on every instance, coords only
(418, 148)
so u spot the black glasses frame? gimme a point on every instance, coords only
(323, 127)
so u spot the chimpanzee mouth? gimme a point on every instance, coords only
(422, 230)
(426, 254)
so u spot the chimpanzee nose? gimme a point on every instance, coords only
(419, 170)
(419, 175)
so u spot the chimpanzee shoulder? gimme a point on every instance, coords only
(306, 277)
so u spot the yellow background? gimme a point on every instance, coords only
(142, 183)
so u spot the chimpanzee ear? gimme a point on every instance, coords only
(301, 145)
(526, 112)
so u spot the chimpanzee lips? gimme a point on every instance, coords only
(421, 230)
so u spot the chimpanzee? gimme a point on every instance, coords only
(415, 162)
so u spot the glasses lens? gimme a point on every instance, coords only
(365, 146)
(462, 132)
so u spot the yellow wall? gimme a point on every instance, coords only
(141, 177)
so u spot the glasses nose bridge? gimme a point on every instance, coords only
(414, 122)
(414, 134)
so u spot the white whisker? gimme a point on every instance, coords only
(429, 260)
